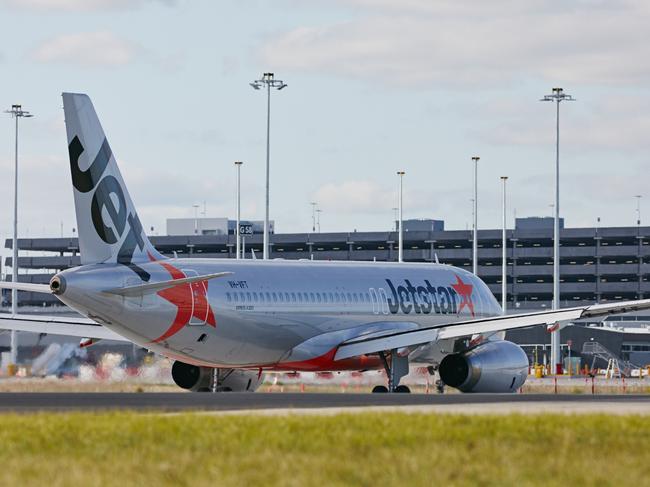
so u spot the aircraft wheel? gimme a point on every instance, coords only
(378, 389)
(403, 389)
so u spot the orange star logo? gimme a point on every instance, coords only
(464, 290)
(190, 299)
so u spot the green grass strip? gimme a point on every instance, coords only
(374, 449)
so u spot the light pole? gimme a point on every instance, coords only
(16, 112)
(196, 219)
(504, 263)
(395, 216)
(238, 238)
(400, 251)
(318, 212)
(638, 209)
(557, 96)
(475, 235)
(269, 81)
(313, 216)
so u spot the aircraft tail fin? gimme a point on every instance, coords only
(108, 225)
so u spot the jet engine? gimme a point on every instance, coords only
(199, 379)
(498, 366)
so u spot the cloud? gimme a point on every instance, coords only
(619, 124)
(369, 197)
(459, 43)
(90, 49)
(359, 196)
(79, 5)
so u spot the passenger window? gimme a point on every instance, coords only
(293, 297)
(313, 299)
(356, 297)
(235, 297)
(318, 298)
(305, 297)
(228, 297)
(249, 297)
(324, 297)
(268, 298)
(281, 297)
(331, 297)
(286, 297)
(275, 298)
(255, 297)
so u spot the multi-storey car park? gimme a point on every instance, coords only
(598, 264)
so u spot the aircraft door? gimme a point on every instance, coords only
(383, 299)
(199, 293)
(375, 301)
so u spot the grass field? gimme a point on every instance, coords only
(126, 449)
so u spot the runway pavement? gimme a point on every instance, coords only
(263, 402)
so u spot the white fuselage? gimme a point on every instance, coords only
(274, 314)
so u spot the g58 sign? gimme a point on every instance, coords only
(245, 229)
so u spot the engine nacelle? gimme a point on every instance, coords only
(499, 366)
(199, 379)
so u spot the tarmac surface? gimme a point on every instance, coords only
(313, 402)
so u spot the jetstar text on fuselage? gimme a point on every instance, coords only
(427, 298)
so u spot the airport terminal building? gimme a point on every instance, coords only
(597, 264)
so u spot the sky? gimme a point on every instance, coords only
(374, 87)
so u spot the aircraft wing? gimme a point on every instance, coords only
(382, 341)
(55, 325)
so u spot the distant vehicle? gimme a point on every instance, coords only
(226, 322)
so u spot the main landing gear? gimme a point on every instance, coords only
(395, 370)
(439, 384)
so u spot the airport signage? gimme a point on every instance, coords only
(245, 229)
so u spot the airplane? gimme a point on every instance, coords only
(226, 323)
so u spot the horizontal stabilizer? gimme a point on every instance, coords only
(55, 325)
(154, 287)
(26, 286)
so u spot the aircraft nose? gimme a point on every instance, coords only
(57, 284)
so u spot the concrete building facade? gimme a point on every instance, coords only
(596, 264)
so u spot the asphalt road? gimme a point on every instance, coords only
(233, 401)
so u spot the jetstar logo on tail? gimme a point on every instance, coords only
(190, 299)
(427, 298)
(108, 192)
